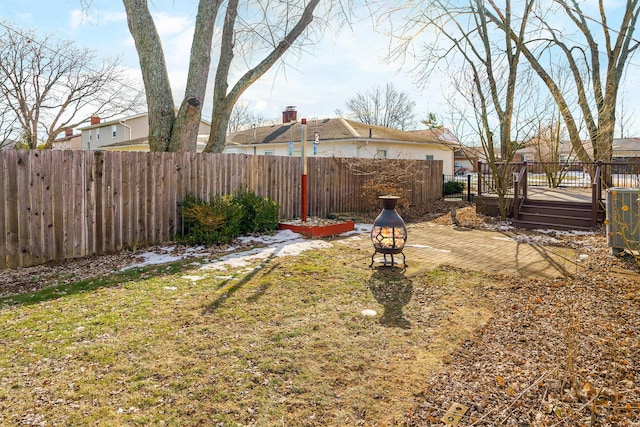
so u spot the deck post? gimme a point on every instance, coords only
(479, 178)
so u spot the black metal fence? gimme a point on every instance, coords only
(563, 175)
(540, 174)
(462, 187)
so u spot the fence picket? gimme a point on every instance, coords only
(66, 204)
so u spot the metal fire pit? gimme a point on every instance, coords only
(388, 233)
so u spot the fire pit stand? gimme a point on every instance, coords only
(388, 233)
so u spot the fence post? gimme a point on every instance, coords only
(479, 177)
(469, 188)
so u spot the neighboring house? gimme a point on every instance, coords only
(127, 134)
(623, 149)
(344, 138)
(69, 141)
(466, 159)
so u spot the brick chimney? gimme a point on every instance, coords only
(289, 114)
(95, 120)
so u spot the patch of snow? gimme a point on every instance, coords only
(499, 226)
(532, 240)
(170, 288)
(165, 256)
(358, 228)
(193, 278)
(368, 312)
(277, 249)
(279, 237)
(566, 233)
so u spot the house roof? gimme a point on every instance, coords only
(336, 129)
(626, 145)
(112, 122)
(124, 119)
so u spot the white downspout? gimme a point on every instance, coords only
(127, 126)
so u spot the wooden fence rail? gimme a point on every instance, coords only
(66, 204)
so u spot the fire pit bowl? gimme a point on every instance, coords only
(388, 233)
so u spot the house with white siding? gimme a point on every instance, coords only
(339, 137)
(126, 134)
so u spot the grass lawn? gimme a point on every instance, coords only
(281, 343)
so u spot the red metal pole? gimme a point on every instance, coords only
(303, 196)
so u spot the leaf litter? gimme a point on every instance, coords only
(551, 352)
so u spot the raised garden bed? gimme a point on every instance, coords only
(314, 227)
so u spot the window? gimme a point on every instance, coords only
(381, 154)
(114, 131)
(429, 156)
(90, 135)
(98, 133)
(269, 153)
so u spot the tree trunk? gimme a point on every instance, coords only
(154, 73)
(184, 136)
(222, 101)
(219, 125)
(185, 128)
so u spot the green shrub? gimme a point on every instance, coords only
(214, 222)
(223, 217)
(260, 214)
(453, 187)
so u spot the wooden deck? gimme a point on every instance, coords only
(560, 194)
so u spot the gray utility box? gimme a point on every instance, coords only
(623, 208)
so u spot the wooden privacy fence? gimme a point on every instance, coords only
(66, 204)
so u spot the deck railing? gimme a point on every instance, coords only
(597, 176)
(519, 189)
(596, 194)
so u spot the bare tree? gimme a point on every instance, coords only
(597, 68)
(49, 86)
(625, 119)
(259, 32)
(9, 128)
(486, 70)
(547, 144)
(241, 118)
(383, 107)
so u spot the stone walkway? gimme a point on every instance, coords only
(430, 246)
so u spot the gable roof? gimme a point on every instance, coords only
(125, 119)
(335, 130)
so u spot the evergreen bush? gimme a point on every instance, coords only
(224, 217)
(260, 214)
(453, 187)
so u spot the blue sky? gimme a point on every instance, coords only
(319, 83)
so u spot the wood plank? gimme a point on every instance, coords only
(10, 244)
(127, 203)
(159, 207)
(108, 202)
(118, 201)
(58, 196)
(4, 172)
(49, 182)
(11, 209)
(23, 208)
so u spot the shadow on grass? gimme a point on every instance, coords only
(240, 283)
(393, 291)
(91, 284)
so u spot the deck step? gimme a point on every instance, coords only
(546, 214)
